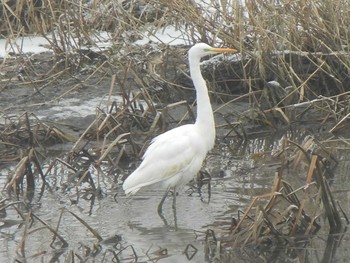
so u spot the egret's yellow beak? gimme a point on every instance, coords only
(224, 50)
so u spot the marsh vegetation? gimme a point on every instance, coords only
(276, 186)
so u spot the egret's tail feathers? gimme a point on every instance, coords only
(131, 191)
(130, 188)
(135, 182)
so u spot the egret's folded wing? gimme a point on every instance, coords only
(169, 154)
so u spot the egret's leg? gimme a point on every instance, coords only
(174, 208)
(163, 219)
(160, 206)
(174, 199)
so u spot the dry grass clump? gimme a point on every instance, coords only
(23, 141)
(297, 221)
(43, 16)
(277, 226)
(72, 27)
(303, 44)
(22, 16)
(276, 106)
(25, 132)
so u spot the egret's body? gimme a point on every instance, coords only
(172, 159)
(176, 156)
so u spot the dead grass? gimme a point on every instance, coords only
(300, 44)
(278, 225)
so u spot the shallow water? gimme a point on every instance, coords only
(133, 223)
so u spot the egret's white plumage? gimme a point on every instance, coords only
(176, 156)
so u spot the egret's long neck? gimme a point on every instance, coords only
(205, 117)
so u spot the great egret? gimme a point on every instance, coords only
(176, 156)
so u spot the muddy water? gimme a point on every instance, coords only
(133, 223)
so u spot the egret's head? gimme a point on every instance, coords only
(201, 49)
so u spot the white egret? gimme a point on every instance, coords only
(176, 156)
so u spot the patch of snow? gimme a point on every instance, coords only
(33, 44)
(39, 44)
(168, 35)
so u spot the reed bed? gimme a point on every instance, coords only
(303, 44)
